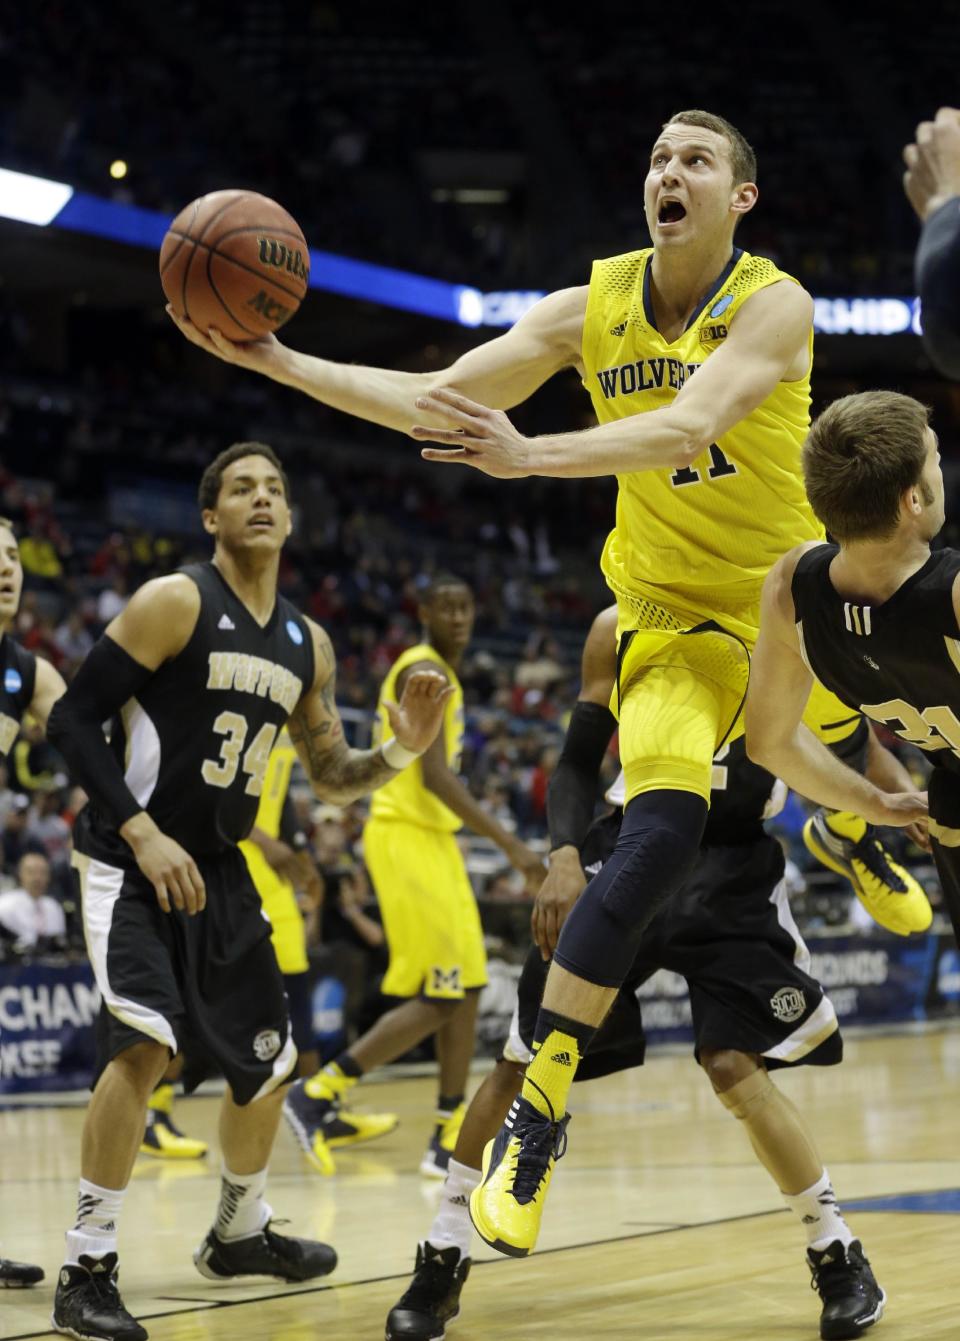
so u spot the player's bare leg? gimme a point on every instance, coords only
(784, 1145)
(443, 1257)
(241, 1241)
(455, 1042)
(87, 1301)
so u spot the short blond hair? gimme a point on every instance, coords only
(743, 161)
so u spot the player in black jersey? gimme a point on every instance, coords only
(730, 933)
(198, 674)
(874, 617)
(27, 684)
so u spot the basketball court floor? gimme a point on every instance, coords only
(661, 1226)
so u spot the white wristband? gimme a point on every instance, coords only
(397, 755)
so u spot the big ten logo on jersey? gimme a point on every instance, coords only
(9, 726)
(628, 379)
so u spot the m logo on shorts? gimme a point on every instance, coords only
(788, 1004)
(266, 1045)
(444, 981)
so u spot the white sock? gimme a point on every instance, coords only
(820, 1215)
(242, 1211)
(95, 1230)
(452, 1224)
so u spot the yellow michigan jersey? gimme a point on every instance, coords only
(698, 540)
(276, 893)
(406, 797)
(429, 912)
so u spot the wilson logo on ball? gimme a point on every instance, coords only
(282, 257)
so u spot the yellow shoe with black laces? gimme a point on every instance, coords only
(849, 845)
(507, 1207)
(162, 1138)
(443, 1142)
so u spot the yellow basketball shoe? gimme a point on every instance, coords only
(443, 1142)
(517, 1167)
(849, 845)
(322, 1124)
(162, 1138)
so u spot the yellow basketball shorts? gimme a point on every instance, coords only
(281, 910)
(429, 911)
(679, 698)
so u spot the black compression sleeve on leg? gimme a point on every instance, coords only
(937, 270)
(108, 678)
(572, 793)
(656, 852)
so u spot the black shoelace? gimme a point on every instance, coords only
(431, 1282)
(833, 1280)
(874, 856)
(104, 1287)
(537, 1144)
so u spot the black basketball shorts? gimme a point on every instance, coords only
(206, 985)
(730, 933)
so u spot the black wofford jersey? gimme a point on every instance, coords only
(898, 662)
(194, 743)
(18, 675)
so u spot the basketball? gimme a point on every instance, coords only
(235, 260)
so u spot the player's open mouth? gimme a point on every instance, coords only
(7, 589)
(261, 523)
(671, 211)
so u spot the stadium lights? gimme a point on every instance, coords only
(32, 200)
(118, 169)
(36, 200)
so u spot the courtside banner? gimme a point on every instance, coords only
(47, 1015)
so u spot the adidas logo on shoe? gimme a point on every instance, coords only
(460, 1201)
(563, 1058)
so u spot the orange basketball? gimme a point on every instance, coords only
(235, 260)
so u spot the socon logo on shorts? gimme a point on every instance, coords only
(293, 628)
(788, 1004)
(266, 1044)
(12, 681)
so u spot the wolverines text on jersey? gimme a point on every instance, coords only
(697, 540)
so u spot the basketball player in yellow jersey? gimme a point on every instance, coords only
(429, 912)
(697, 359)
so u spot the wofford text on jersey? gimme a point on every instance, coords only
(255, 675)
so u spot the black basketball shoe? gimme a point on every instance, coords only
(17, 1275)
(87, 1304)
(852, 1299)
(432, 1297)
(264, 1254)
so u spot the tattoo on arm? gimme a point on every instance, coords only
(336, 772)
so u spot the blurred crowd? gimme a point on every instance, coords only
(465, 124)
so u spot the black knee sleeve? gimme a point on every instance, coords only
(656, 851)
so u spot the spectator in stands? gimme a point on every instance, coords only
(29, 913)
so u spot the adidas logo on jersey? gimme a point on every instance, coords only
(226, 623)
(619, 330)
(871, 663)
(563, 1058)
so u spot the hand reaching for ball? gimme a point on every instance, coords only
(259, 355)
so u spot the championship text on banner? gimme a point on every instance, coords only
(47, 1016)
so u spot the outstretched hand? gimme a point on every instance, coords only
(477, 436)
(416, 721)
(933, 163)
(257, 355)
